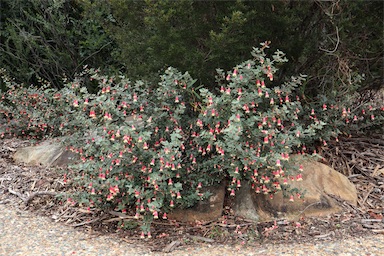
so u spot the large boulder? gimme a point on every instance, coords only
(324, 189)
(244, 204)
(207, 210)
(47, 153)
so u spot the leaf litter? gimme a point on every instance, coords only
(41, 190)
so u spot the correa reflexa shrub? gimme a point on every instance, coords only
(148, 149)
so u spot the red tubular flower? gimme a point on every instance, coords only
(299, 177)
(92, 114)
(324, 107)
(260, 92)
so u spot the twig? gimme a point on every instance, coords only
(31, 196)
(366, 196)
(360, 140)
(301, 212)
(84, 223)
(172, 246)
(323, 236)
(121, 215)
(200, 238)
(369, 226)
(371, 220)
(17, 194)
(234, 225)
(10, 149)
(40, 193)
(337, 43)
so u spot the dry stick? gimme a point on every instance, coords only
(31, 196)
(315, 203)
(17, 194)
(369, 192)
(200, 238)
(361, 140)
(172, 246)
(85, 222)
(371, 220)
(117, 219)
(323, 236)
(234, 225)
(122, 216)
(40, 193)
(62, 214)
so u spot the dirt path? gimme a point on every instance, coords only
(23, 233)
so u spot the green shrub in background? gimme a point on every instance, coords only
(327, 40)
(152, 148)
(50, 40)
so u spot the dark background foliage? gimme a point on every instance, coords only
(330, 41)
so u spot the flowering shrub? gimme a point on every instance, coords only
(251, 127)
(155, 148)
(345, 114)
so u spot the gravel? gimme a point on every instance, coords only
(24, 233)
